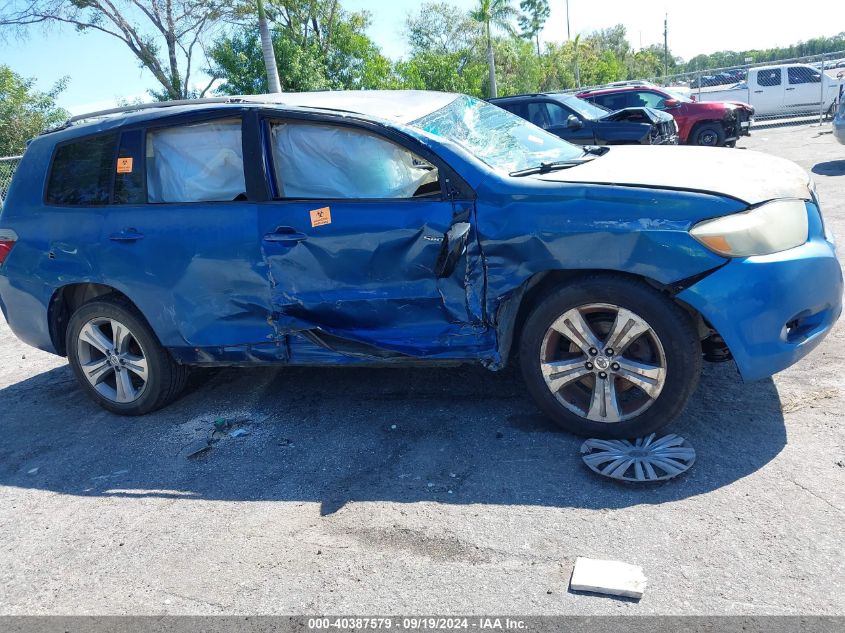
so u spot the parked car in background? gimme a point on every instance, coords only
(709, 124)
(839, 124)
(784, 90)
(384, 228)
(584, 123)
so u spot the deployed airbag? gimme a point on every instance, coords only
(195, 163)
(323, 161)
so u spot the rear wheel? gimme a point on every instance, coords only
(709, 135)
(610, 357)
(118, 360)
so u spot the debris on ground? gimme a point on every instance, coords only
(238, 433)
(608, 577)
(644, 459)
(197, 448)
(32, 471)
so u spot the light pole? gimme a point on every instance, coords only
(568, 36)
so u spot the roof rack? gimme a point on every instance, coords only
(161, 104)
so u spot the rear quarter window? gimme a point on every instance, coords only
(81, 173)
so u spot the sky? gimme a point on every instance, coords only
(101, 69)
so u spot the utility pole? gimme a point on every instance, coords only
(665, 48)
(568, 36)
(273, 82)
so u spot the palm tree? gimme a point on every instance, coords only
(273, 82)
(493, 14)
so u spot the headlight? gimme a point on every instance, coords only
(770, 228)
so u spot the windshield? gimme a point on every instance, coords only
(501, 139)
(586, 109)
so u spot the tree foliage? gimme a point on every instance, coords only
(24, 111)
(533, 19)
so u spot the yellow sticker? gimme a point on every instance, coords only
(319, 217)
(124, 165)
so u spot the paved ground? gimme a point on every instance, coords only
(427, 491)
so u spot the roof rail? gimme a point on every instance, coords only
(155, 105)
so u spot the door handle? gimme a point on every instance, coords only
(790, 88)
(285, 235)
(126, 235)
(758, 92)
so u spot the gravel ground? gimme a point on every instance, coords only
(419, 491)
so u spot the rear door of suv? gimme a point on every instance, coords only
(179, 237)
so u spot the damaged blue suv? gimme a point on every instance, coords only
(408, 228)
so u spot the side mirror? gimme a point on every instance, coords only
(573, 122)
(452, 248)
(671, 103)
(693, 97)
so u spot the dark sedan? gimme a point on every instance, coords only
(579, 121)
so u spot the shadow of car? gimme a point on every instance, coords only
(452, 436)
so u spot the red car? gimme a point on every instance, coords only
(714, 123)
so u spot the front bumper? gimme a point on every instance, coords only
(773, 310)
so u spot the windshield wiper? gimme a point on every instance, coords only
(545, 168)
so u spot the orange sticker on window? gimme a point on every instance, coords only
(319, 217)
(124, 165)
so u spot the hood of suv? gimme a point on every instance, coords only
(748, 176)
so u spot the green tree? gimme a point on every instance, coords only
(493, 15)
(24, 111)
(440, 27)
(533, 19)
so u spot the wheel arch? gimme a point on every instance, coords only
(699, 124)
(514, 311)
(67, 299)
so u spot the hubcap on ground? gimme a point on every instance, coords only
(112, 360)
(603, 362)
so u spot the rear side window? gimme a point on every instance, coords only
(201, 162)
(769, 77)
(82, 172)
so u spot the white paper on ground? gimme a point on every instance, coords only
(608, 576)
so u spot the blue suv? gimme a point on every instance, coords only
(408, 228)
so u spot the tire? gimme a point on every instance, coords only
(663, 344)
(131, 373)
(709, 135)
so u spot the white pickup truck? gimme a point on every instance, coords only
(784, 90)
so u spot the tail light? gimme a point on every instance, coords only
(7, 241)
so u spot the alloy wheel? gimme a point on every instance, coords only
(603, 362)
(112, 360)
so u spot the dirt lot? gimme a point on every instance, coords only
(419, 491)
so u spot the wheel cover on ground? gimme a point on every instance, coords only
(112, 360)
(603, 362)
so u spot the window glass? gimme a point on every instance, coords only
(201, 162)
(615, 102)
(329, 161)
(583, 109)
(648, 100)
(129, 172)
(557, 114)
(497, 137)
(82, 172)
(770, 77)
(537, 115)
(803, 75)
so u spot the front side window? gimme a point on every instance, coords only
(613, 102)
(803, 75)
(82, 172)
(201, 162)
(557, 114)
(769, 77)
(338, 162)
(498, 138)
(650, 100)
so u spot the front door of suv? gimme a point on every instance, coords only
(354, 244)
(179, 238)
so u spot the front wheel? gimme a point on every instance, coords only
(710, 135)
(118, 359)
(610, 357)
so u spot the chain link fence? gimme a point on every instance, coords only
(8, 165)
(783, 92)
